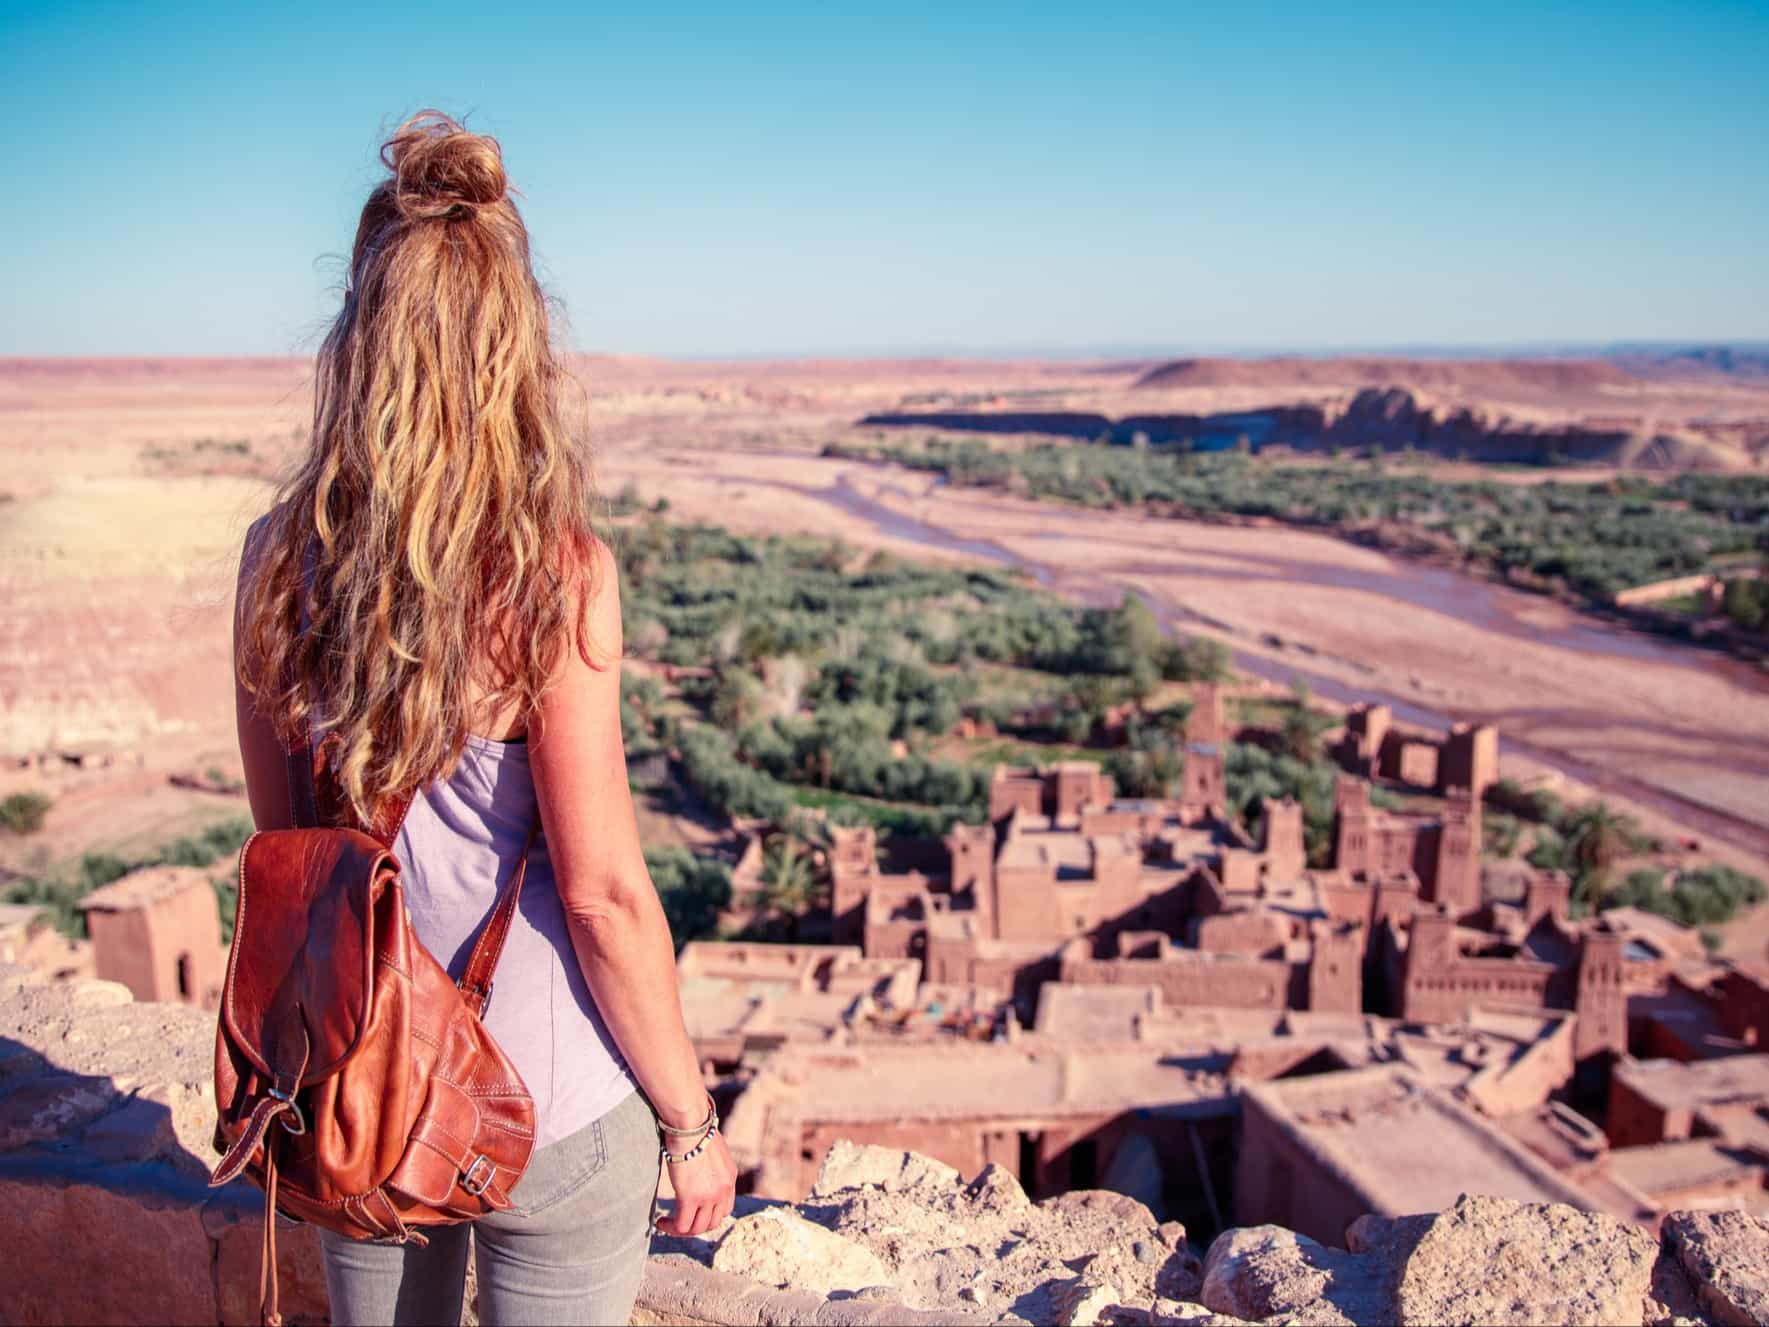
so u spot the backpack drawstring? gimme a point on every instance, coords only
(268, 1314)
(277, 1103)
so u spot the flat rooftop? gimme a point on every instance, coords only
(1653, 937)
(1070, 852)
(1743, 1122)
(1663, 1169)
(1094, 1014)
(1407, 1147)
(140, 888)
(991, 1080)
(712, 1008)
(1673, 1085)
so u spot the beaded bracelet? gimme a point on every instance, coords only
(694, 1151)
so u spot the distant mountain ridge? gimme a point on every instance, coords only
(1721, 360)
(1389, 416)
(1553, 375)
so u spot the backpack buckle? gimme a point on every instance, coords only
(480, 995)
(294, 1108)
(475, 1182)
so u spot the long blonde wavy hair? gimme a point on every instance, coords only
(436, 537)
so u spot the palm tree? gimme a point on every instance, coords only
(791, 882)
(1597, 836)
(1303, 727)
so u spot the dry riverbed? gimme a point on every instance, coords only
(131, 491)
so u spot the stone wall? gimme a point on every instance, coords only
(106, 1217)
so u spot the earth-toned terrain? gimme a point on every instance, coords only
(130, 484)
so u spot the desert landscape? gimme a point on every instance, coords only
(133, 481)
(1194, 671)
(1193, 799)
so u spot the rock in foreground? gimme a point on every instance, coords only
(1725, 1256)
(778, 1247)
(1492, 1260)
(885, 1227)
(1080, 1257)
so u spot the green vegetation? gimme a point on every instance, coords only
(1586, 841)
(1703, 896)
(1537, 805)
(1255, 773)
(693, 889)
(821, 680)
(221, 781)
(22, 813)
(1594, 837)
(792, 882)
(885, 817)
(1303, 726)
(1501, 835)
(831, 671)
(818, 679)
(59, 893)
(1746, 603)
(1592, 538)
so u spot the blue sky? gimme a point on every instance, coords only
(771, 178)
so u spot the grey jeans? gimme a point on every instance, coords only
(570, 1249)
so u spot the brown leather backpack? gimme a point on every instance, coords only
(354, 1081)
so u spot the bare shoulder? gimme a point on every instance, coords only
(602, 606)
(604, 566)
(251, 558)
(257, 539)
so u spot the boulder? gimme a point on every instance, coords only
(1725, 1255)
(172, 1122)
(1491, 1260)
(778, 1247)
(849, 1165)
(996, 1190)
(1100, 1207)
(1181, 1313)
(1265, 1271)
(1077, 1302)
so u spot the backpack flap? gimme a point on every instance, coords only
(303, 960)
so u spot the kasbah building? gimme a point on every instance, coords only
(1095, 991)
(1134, 994)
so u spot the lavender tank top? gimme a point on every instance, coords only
(459, 846)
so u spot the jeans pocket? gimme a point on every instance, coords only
(559, 1170)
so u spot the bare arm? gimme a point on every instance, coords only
(261, 754)
(617, 923)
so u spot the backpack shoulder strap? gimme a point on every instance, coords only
(316, 801)
(303, 811)
(482, 964)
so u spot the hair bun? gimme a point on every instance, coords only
(442, 170)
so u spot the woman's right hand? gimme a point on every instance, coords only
(706, 1190)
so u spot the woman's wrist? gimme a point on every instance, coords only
(706, 1123)
(684, 1114)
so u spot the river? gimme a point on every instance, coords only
(1496, 610)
